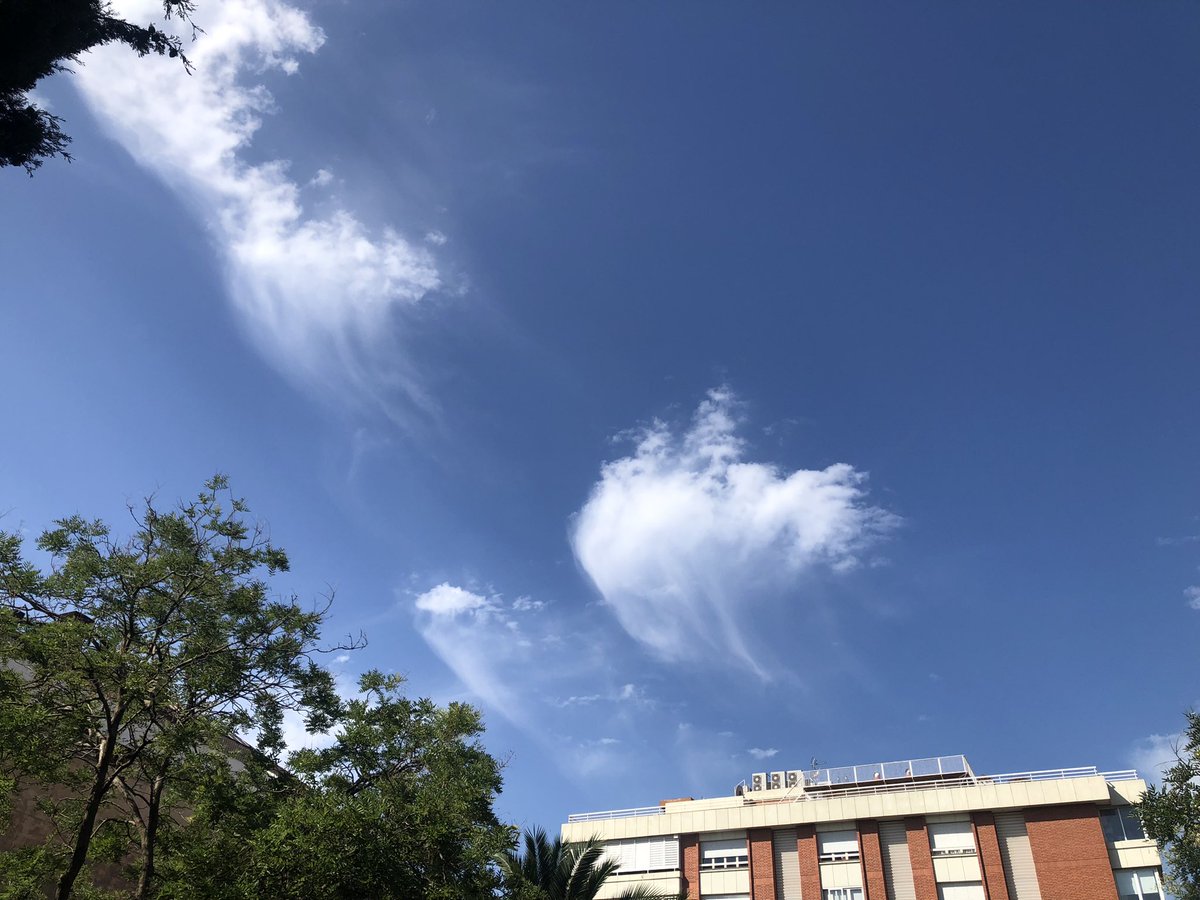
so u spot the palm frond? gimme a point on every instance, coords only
(561, 871)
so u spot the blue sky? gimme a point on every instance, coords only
(698, 389)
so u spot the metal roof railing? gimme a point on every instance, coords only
(616, 814)
(1058, 774)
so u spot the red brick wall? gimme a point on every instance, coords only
(922, 859)
(872, 860)
(689, 865)
(990, 861)
(1069, 853)
(810, 863)
(29, 825)
(762, 864)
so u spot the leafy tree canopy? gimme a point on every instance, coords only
(400, 805)
(128, 668)
(1171, 815)
(41, 37)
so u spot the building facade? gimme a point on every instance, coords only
(921, 829)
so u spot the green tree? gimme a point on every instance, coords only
(399, 806)
(41, 37)
(227, 807)
(1171, 815)
(552, 870)
(130, 664)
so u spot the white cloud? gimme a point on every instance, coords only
(626, 694)
(448, 600)
(1154, 754)
(1193, 596)
(631, 692)
(319, 295)
(482, 642)
(682, 536)
(559, 692)
(581, 700)
(1177, 541)
(759, 753)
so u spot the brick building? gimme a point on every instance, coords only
(920, 829)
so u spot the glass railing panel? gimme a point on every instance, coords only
(924, 767)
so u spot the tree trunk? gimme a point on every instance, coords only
(83, 837)
(149, 837)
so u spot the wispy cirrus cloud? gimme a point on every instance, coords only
(482, 639)
(320, 295)
(1178, 541)
(626, 694)
(684, 534)
(543, 670)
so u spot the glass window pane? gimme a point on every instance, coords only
(1127, 884)
(1110, 822)
(1133, 825)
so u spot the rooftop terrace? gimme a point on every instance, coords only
(931, 773)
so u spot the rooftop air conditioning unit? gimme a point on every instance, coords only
(777, 779)
(758, 781)
(795, 778)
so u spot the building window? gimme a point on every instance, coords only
(961, 890)
(1138, 884)
(838, 846)
(1120, 823)
(951, 839)
(842, 894)
(731, 853)
(655, 854)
